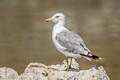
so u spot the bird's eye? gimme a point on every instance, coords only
(57, 16)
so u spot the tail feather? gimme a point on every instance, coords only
(92, 56)
(95, 57)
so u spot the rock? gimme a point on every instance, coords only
(91, 74)
(39, 71)
(8, 74)
(35, 71)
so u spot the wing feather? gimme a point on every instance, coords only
(72, 42)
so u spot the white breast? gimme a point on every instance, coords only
(57, 30)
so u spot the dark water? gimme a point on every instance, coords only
(25, 36)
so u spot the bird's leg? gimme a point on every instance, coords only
(70, 62)
(67, 64)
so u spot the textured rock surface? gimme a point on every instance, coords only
(8, 74)
(39, 71)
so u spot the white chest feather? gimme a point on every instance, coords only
(57, 30)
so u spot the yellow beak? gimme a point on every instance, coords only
(48, 20)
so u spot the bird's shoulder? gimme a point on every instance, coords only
(69, 35)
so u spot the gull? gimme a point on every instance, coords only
(68, 42)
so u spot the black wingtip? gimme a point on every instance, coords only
(92, 56)
(95, 57)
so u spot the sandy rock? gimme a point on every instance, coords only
(35, 71)
(39, 71)
(8, 74)
(91, 74)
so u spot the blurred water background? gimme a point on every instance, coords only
(25, 36)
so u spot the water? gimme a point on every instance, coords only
(25, 36)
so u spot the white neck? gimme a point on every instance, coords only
(58, 27)
(61, 23)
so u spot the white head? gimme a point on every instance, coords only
(57, 18)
